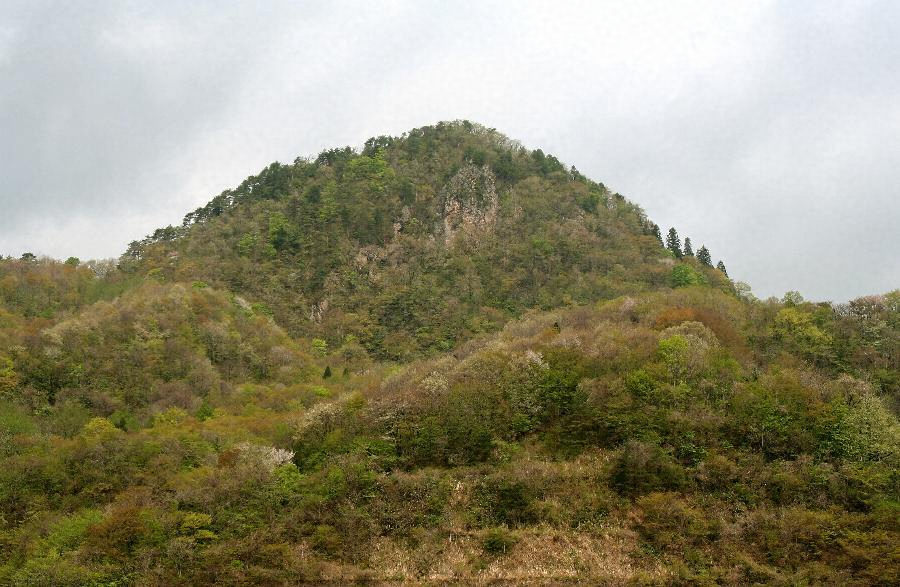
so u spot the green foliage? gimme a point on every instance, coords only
(704, 257)
(320, 346)
(519, 379)
(280, 234)
(498, 541)
(674, 353)
(673, 243)
(642, 468)
(861, 429)
(798, 329)
(326, 540)
(640, 383)
(247, 244)
(504, 501)
(684, 275)
(9, 380)
(668, 523)
(356, 244)
(192, 522)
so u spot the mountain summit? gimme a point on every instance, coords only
(415, 244)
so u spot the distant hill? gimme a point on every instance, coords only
(415, 244)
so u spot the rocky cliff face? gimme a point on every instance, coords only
(469, 201)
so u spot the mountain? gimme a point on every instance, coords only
(415, 244)
(445, 358)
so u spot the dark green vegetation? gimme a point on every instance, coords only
(445, 357)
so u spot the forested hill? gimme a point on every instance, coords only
(416, 243)
(444, 359)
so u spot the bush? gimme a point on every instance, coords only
(497, 541)
(504, 501)
(640, 384)
(326, 540)
(642, 468)
(669, 522)
(684, 275)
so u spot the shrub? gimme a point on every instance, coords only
(504, 501)
(640, 384)
(326, 540)
(642, 468)
(497, 541)
(684, 275)
(668, 522)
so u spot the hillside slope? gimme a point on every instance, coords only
(443, 359)
(415, 244)
(649, 438)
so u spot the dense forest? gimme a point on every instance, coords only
(443, 357)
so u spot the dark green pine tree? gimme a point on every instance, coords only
(673, 243)
(688, 249)
(721, 267)
(657, 234)
(704, 257)
(327, 372)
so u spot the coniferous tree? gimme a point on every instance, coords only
(657, 234)
(673, 243)
(688, 249)
(327, 372)
(704, 257)
(721, 267)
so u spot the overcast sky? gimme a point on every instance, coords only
(768, 131)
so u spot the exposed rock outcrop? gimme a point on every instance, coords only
(469, 201)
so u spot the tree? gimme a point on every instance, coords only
(683, 274)
(688, 249)
(792, 298)
(8, 377)
(673, 243)
(721, 267)
(657, 234)
(320, 346)
(704, 257)
(280, 232)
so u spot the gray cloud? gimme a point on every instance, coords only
(766, 131)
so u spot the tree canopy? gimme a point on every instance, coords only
(444, 358)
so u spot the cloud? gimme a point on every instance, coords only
(764, 130)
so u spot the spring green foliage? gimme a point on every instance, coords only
(684, 274)
(414, 245)
(315, 378)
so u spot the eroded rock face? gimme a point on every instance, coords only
(469, 201)
(318, 311)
